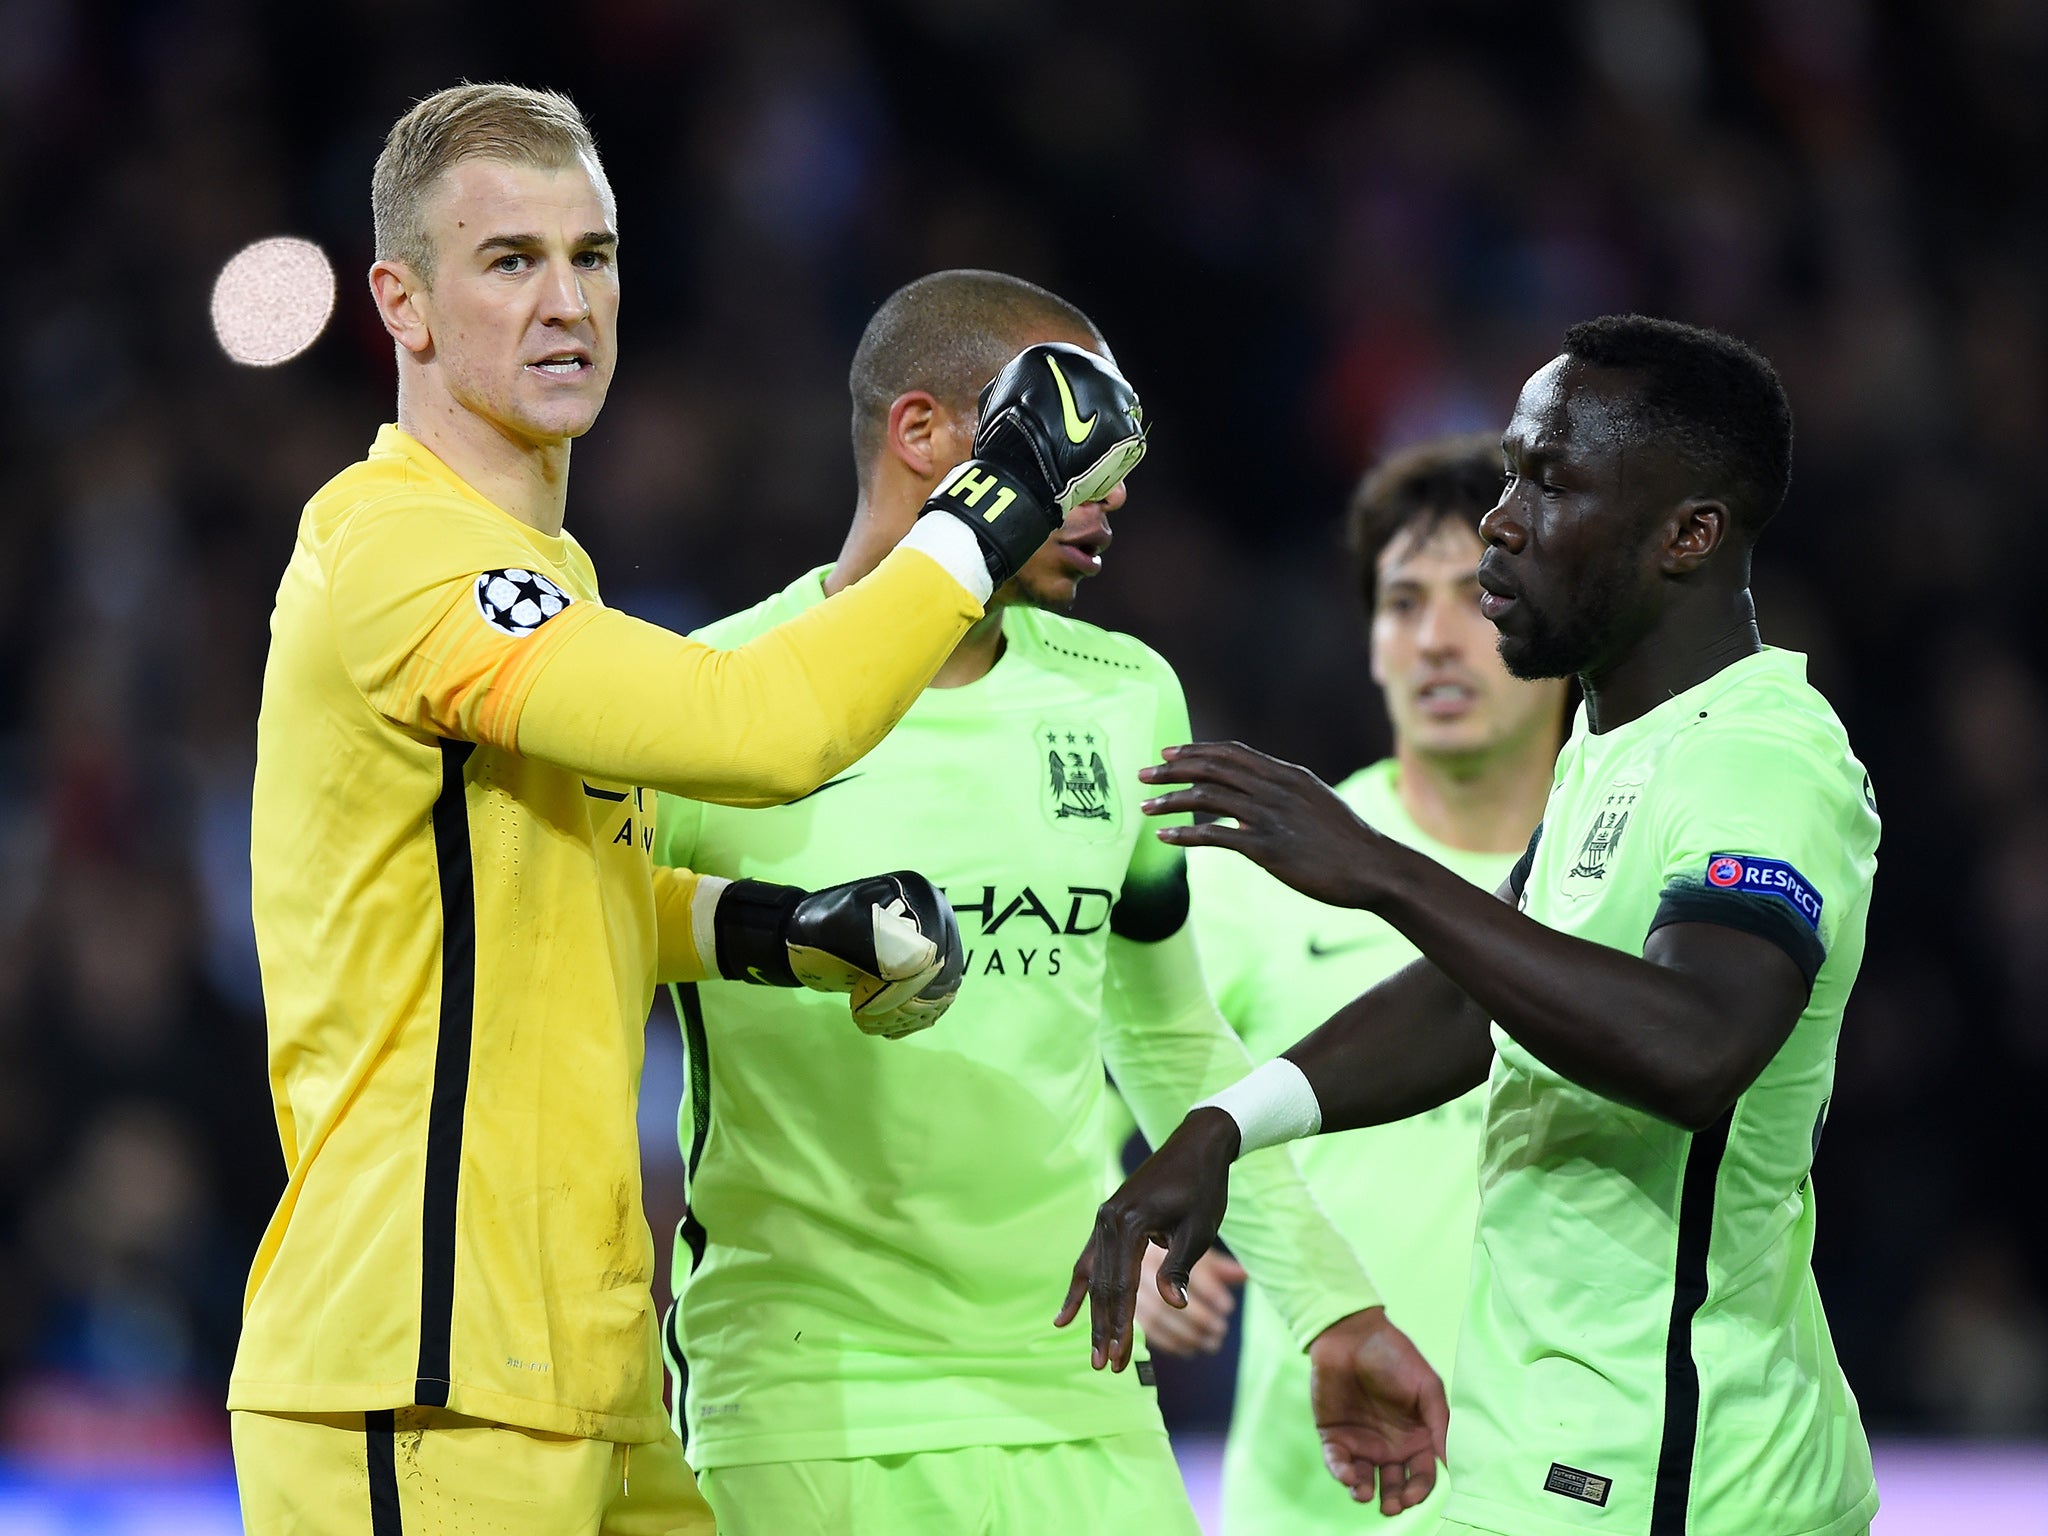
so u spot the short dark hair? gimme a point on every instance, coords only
(1717, 400)
(1417, 488)
(948, 333)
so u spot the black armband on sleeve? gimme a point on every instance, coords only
(1765, 916)
(748, 928)
(1519, 875)
(1145, 914)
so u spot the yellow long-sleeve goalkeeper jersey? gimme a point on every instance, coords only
(460, 931)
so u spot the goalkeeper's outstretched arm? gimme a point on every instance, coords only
(599, 693)
(630, 702)
(777, 717)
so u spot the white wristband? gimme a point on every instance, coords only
(703, 920)
(1272, 1104)
(953, 544)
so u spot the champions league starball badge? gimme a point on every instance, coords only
(516, 602)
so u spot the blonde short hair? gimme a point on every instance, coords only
(506, 123)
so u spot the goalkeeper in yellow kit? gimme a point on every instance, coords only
(448, 1323)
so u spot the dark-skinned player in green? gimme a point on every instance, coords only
(1465, 783)
(1656, 993)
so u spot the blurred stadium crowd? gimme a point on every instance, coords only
(1308, 242)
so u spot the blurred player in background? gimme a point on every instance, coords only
(861, 1332)
(1473, 752)
(1657, 992)
(448, 1324)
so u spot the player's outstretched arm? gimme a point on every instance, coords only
(889, 942)
(628, 702)
(1679, 1031)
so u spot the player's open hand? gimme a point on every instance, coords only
(1175, 1199)
(1379, 1408)
(1203, 1324)
(1287, 821)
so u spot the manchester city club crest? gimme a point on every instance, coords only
(1076, 787)
(1600, 840)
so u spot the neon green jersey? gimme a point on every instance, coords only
(1406, 1194)
(1644, 1349)
(882, 1230)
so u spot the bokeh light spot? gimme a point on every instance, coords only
(272, 300)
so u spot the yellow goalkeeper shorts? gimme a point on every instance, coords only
(1119, 1485)
(426, 1472)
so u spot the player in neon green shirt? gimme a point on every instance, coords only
(864, 1331)
(1657, 995)
(1473, 749)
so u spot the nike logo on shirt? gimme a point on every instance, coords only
(842, 779)
(1318, 950)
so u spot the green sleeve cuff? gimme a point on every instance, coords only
(1288, 1246)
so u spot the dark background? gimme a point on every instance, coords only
(1311, 233)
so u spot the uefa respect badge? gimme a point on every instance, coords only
(1766, 877)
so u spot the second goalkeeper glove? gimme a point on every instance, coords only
(889, 942)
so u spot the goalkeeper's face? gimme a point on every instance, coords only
(1435, 656)
(521, 319)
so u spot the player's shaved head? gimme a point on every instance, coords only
(1410, 493)
(509, 124)
(1713, 401)
(948, 334)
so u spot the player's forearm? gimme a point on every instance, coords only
(762, 724)
(1649, 1035)
(1412, 1042)
(1675, 1038)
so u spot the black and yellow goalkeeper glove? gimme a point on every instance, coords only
(1059, 427)
(889, 942)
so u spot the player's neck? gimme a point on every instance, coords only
(1482, 804)
(878, 526)
(1686, 646)
(976, 654)
(523, 480)
(879, 523)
